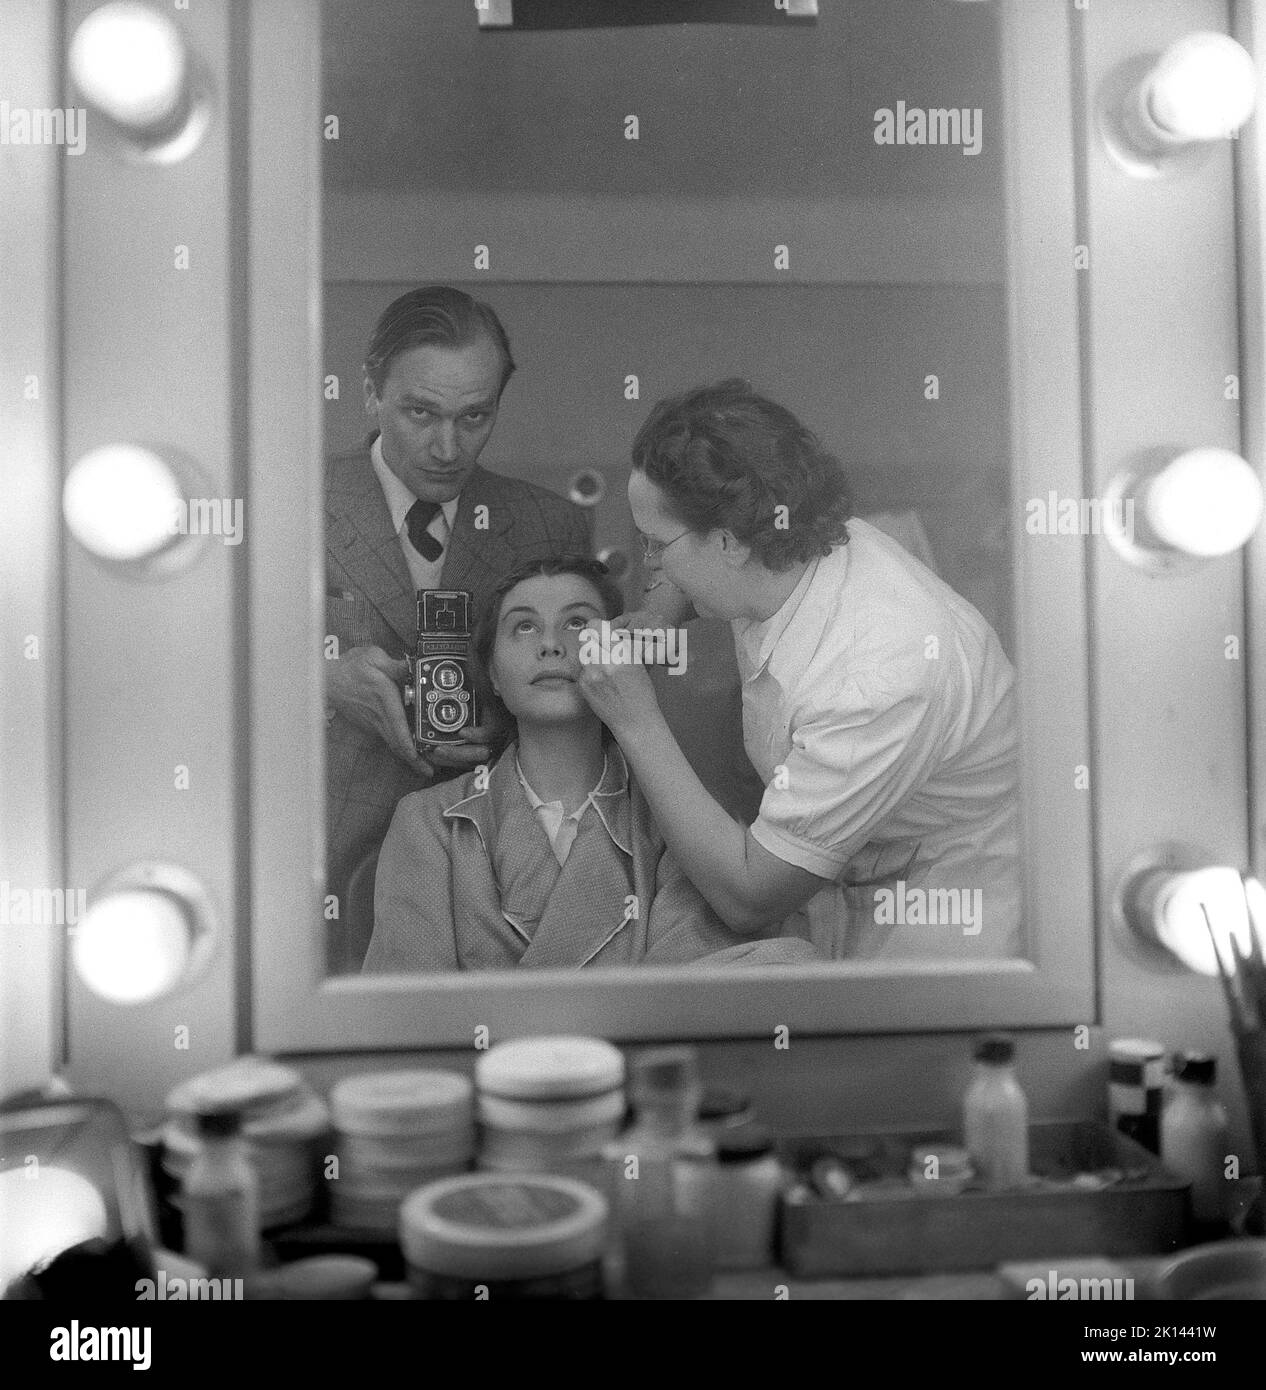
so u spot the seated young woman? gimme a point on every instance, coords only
(550, 858)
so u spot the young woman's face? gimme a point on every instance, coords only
(536, 652)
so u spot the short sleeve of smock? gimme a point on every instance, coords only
(859, 753)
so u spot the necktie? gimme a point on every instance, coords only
(417, 519)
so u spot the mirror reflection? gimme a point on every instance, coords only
(668, 623)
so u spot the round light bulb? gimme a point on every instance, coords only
(129, 62)
(134, 945)
(1180, 917)
(122, 502)
(1205, 502)
(1202, 88)
(43, 1211)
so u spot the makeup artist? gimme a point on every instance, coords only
(878, 704)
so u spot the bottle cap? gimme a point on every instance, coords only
(1136, 1050)
(720, 1103)
(995, 1049)
(742, 1143)
(1198, 1067)
(661, 1072)
(219, 1124)
(555, 1068)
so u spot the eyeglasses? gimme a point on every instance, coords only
(653, 549)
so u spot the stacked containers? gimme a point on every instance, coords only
(549, 1105)
(282, 1121)
(396, 1131)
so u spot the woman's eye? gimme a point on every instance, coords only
(577, 622)
(524, 625)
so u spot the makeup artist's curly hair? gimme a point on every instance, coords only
(492, 711)
(727, 457)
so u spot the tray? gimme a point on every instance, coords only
(889, 1231)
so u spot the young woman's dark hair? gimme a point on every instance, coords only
(492, 711)
(727, 457)
(434, 316)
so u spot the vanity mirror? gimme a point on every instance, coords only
(841, 212)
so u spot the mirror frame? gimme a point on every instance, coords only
(293, 1005)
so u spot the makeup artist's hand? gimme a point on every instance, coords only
(621, 696)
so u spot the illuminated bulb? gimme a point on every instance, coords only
(1203, 88)
(130, 63)
(43, 1211)
(122, 502)
(1205, 502)
(1180, 923)
(134, 945)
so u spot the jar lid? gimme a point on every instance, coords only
(996, 1049)
(552, 1068)
(253, 1085)
(327, 1278)
(493, 1226)
(741, 1143)
(1199, 1067)
(402, 1102)
(550, 1116)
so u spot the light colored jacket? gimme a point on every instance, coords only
(467, 880)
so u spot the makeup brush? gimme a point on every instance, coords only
(1233, 1008)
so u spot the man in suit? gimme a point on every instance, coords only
(410, 510)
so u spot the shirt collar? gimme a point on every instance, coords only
(535, 802)
(610, 798)
(399, 498)
(759, 639)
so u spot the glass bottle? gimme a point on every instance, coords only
(220, 1200)
(1194, 1133)
(996, 1116)
(660, 1185)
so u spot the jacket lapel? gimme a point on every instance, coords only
(360, 537)
(587, 908)
(565, 916)
(479, 553)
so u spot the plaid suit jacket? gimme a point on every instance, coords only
(370, 600)
(467, 880)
